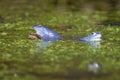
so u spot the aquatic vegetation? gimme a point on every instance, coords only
(23, 58)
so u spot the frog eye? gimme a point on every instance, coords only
(93, 33)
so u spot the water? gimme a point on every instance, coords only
(22, 58)
(25, 59)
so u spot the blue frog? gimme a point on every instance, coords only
(49, 35)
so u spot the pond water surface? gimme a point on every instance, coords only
(25, 59)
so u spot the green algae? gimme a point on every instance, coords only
(23, 59)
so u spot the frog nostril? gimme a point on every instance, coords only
(93, 33)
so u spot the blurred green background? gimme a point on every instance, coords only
(111, 7)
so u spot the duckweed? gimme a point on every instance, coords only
(24, 59)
